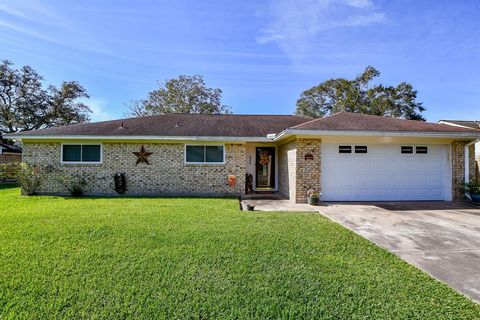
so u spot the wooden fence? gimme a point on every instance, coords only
(9, 170)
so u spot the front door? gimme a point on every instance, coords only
(265, 168)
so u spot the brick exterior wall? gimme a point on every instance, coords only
(10, 157)
(167, 173)
(308, 171)
(287, 172)
(477, 158)
(458, 166)
(296, 174)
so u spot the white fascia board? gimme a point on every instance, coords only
(159, 138)
(453, 124)
(463, 135)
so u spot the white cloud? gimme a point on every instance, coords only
(34, 19)
(359, 20)
(359, 3)
(294, 24)
(32, 10)
(98, 107)
(269, 35)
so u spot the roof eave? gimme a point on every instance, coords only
(130, 138)
(463, 135)
(457, 125)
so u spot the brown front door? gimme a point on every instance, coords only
(265, 168)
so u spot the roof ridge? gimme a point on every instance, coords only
(204, 114)
(186, 114)
(318, 119)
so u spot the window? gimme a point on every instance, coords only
(204, 154)
(361, 149)
(77, 153)
(421, 150)
(407, 149)
(345, 149)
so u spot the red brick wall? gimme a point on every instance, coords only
(4, 158)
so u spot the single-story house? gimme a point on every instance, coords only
(468, 124)
(10, 153)
(345, 156)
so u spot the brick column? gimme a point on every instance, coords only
(458, 166)
(308, 168)
(287, 169)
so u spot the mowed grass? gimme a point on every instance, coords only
(167, 258)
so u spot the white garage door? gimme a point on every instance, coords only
(384, 172)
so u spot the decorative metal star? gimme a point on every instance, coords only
(142, 156)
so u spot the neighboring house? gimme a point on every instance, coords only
(346, 156)
(9, 153)
(468, 124)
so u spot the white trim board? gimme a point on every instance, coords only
(139, 138)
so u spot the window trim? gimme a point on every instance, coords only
(81, 162)
(421, 146)
(360, 146)
(407, 146)
(204, 145)
(351, 150)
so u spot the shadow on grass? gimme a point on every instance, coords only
(8, 185)
(113, 197)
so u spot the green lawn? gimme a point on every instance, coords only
(166, 258)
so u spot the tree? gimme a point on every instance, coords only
(185, 94)
(336, 95)
(25, 104)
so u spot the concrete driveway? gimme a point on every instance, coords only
(441, 238)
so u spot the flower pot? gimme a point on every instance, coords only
(313, 201)
(475, 197)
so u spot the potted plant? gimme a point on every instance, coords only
(473, 188)
(312, 197)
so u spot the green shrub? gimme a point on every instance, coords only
(30, 178)
(74, 183)
(473, 187)
(9, 171)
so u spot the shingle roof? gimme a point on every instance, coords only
(364, 122)
(469, 124)
(179, 125)
(10, 148)
(195, 125)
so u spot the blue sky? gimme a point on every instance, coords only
(261, 54)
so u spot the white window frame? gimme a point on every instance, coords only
(81, 144)
(407, 145)
(204, 145)
(354, 149)
(422, 146)
(414, 149)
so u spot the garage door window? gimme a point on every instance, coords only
(345, 149)
(407, 149)
(361, 149)
(421, 150)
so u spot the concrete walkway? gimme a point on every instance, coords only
(441, 238)
(273, 202)
(277, 205)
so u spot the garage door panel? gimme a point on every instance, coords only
(384, 174)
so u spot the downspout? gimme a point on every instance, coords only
(467, 164)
